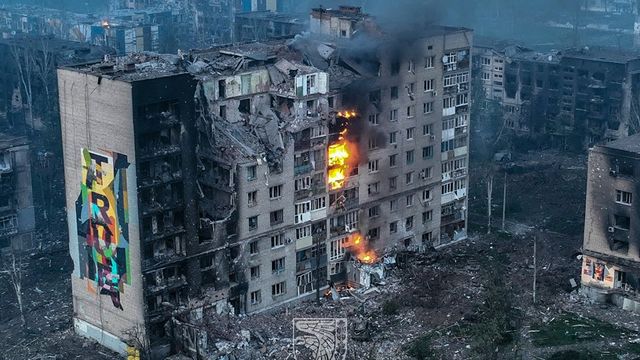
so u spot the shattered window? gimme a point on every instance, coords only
(251, 172)
(253, 222)
(256, 297)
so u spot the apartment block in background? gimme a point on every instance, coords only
(17, 215)
(611, 249)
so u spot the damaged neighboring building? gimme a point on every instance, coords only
(611, 249)
(17, 215)
(573, 98)
(266, 25)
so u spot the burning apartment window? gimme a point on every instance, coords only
(251, 172)
(427, 107)
(427, 152)
(393, 205)
(256, 297)
(252, 198)
(409, 199)
(374, 119)
(427, 216)
(255, 272)
(410, 133)
(408, 178)
(623, 197)
(408, 223)
(373, 188)
(253, 222)
(279, 288)
(410, 157)
(394, 92)
(254, 247)
(429, 62)
(277, 240)
(393, 227)
(275, 192)
(276, 217)
(277, 265)
(393, 183)
(374, 211)
(393, 115)
(373, 166)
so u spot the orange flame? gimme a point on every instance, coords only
(340, 157)
(347, 114)
(361, 249)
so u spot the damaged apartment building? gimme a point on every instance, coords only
(611, 249)
(238, 178)
(573, 98)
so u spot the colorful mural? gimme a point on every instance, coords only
(103, 223)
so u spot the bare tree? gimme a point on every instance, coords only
(13, 269)
(44, 66)
(136, 337)
(23, 58)
(489, 198)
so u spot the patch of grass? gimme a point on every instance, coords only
(390, 307)
(570, 329)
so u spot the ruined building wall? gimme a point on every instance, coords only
(100, 178)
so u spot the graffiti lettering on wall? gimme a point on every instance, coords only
(103, 223)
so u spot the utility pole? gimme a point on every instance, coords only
(504, 199)
(535, 269)
(489, 195)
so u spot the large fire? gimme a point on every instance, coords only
(360, 249)
(341, 156)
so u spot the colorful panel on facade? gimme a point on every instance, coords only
(103, 223)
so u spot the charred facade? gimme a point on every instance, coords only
(572, 99)
(611, 260)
